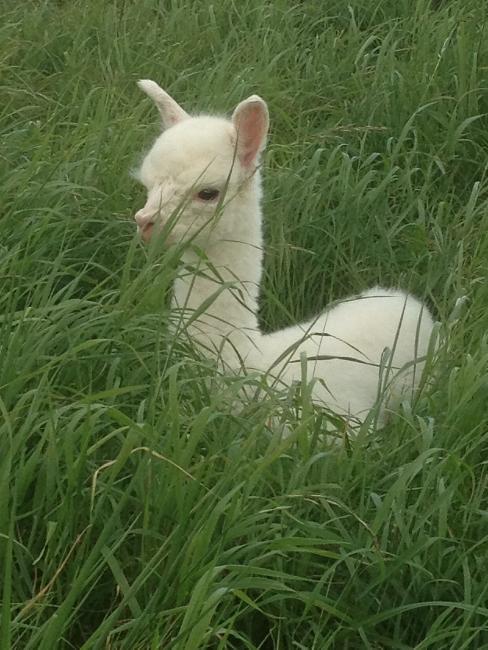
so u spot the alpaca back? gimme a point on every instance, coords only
(345, 347)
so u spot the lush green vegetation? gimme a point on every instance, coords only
(137, 510)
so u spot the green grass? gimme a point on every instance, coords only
(137, 510)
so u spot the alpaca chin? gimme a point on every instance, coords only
(146, 232)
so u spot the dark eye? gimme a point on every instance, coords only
(208, 194)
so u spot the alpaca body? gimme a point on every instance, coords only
(344, 346)
(204, 188)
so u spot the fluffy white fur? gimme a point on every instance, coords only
(216, 293)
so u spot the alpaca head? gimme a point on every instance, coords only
(200, 170)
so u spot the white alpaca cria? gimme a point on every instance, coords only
(203, 183)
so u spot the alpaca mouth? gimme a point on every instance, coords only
(146, 231)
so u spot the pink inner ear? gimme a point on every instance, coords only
(251, 126)
(172, 116)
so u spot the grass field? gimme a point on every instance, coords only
(137, 511)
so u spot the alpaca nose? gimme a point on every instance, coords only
(143, 217)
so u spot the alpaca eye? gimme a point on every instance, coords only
(208, 194)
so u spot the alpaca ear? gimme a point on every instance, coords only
(171, 111)
(251, 122)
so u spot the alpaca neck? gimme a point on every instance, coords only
(216, 294)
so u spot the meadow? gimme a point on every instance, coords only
(138, 510)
